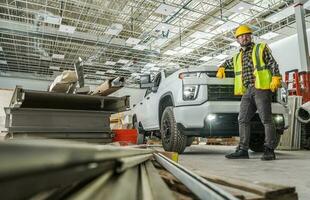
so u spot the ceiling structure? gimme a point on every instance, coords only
(41, 38)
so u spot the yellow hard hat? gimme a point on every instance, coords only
(243, 29)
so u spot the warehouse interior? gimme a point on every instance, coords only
(102, 96)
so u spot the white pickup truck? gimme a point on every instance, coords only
(192, 103)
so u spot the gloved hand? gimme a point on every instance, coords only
(275, 83)
(221, 73)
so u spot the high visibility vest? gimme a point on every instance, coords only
(262, 74)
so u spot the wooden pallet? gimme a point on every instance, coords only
(243, 190)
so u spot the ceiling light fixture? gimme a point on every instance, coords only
(54, 67)
(58, 56)
(110, 63)
(111, 71)
(206, 58)
(100, 72)
(67, 29)
(221, 56)
(269, 35)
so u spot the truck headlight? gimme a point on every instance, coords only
(211, 117)
(190, 92)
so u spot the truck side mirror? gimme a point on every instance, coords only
(145, 81)
(154, 89)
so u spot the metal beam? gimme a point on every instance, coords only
(302, 35)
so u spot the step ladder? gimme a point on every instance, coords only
(298, 83)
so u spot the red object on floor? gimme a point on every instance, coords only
(128, 136)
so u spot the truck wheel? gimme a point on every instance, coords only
(257, 141)
(189, 140)
(140, 132)
(172, 138)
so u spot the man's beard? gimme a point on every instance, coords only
(246, 44)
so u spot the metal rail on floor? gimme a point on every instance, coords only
(202, 188)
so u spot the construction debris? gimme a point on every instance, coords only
(60, 115)
(52, 169)
(109, 86)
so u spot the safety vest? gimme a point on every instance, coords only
(262, 74)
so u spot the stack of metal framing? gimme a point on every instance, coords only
(291, 139)
(59, 115)
(51, 169)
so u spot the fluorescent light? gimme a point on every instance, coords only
(54, 67)
(45, 58)
(3, 62)
(280, 15)
(235, 44)
(111, 71)
(269, 35)
(205, 58)
(88, 62)
(164, 27)
(114, 29)
(110, 63)
(170, 52)
(139, 47)
(165, 9)
(200, 41)
(155, 69)
(100, 72)
(221, 56)
(123, 61)
(200, 34)
(186, 50)
(193, 45)
(51, 19)
(67, 29)
(178, 48)
(133, 41)
(1, 49)
(241, 7)
(227, 26)
(159, 42)
(58, 56)
(149, 65)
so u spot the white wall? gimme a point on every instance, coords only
(286, 52)
(5, 98)
(11, 82)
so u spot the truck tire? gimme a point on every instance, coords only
(172, 138)
(257, 141)
(189, 140)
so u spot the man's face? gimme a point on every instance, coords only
(244, 39)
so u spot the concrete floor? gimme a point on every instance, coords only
(291, 167)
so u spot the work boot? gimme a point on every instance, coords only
(268, 154)
(238, 154)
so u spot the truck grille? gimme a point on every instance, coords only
(225, 93)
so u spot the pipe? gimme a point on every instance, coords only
(303, 113)
(202, 188)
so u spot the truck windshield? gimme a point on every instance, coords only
(211, 74)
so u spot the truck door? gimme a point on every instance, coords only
(152, 104)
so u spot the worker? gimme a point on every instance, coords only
(256, 77)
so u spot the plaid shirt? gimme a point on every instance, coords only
(247, 64)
